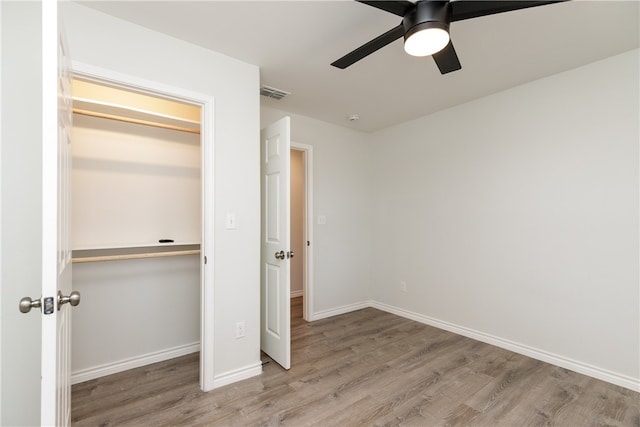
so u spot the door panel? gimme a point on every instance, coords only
(275, 329)
(273, 301)
(272, 209)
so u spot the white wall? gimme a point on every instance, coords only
(342, 193)
(100, 40)
(516, 216)
(521, 188)
(520, 223)
(21, 207)
(134, 312)
(511, 215)
(133, 185)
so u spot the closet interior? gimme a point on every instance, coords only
(136, 228)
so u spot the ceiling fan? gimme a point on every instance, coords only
(425, 27)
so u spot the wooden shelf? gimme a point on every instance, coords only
(118, 254)
(123, 118)
(98, 100)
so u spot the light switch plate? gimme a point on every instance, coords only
(231, 221)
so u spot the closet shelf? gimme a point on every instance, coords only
(123, 113)
(135, 121)
(118, 254)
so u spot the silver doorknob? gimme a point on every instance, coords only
(73, 299)
(26, 304)
(290, 254)
(280, 255)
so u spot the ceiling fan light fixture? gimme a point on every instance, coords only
(426, 28)
(426, 39)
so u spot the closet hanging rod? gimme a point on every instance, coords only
(118, 257)
(136, 121)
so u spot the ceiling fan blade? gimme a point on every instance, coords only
(447, 59)
(369, 47)
(396, 7)
(467, 9)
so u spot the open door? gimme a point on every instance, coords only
(57, 297)
(275, 320)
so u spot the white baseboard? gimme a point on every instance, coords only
(554, 359)
(237, 375)
(132, 362)
(298, 293)
(339, 310)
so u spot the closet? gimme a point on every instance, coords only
(136, 229)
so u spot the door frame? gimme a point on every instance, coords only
(206, 103)
(1, 216)
(307, 277)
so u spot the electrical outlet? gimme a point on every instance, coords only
(403, 286)
(239, 329)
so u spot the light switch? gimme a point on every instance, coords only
(231, 221)
(322, 220)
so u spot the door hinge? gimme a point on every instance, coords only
(205, 259)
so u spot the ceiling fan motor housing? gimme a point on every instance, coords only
(426, 14)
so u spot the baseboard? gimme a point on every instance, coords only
(339, 310)
(237, 375)
(554, 359)
(298, 293)
(132, 362)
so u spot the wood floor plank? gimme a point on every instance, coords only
(441, 396)
(366, 368)
(554, 396)
(363, 412)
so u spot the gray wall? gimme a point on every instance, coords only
(516, 217)
(512, 219)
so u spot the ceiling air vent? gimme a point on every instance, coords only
(271, 92)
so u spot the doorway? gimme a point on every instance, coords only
(280, 245)
(301, 184)
(203, 241)
(298, 242)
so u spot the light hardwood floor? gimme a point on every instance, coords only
(363, 368)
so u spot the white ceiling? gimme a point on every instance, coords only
(293, 43)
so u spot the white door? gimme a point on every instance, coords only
(21, 233)
(57, 298)
(275, 321)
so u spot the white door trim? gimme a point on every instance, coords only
(1, 215)
(55, 390)
(307, 286)
(0, 211)
(206, 103)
